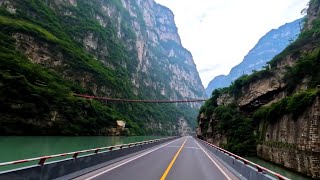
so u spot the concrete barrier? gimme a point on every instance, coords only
(247, 171)
(64, 167)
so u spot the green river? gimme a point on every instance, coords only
(278, 169)
(23, 147)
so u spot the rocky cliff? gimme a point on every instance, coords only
(294, 144)
(271, 44)
(121, 49)
(273, 113)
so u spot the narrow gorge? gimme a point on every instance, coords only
(273, 113)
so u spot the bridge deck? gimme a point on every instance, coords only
(184, 158)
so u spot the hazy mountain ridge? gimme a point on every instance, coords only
(267, 47)
(273, 113)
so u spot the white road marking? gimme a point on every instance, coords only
(184, 147)
(96, 175)
(224, 173)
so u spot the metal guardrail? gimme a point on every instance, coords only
(75, 154)
(247, 162)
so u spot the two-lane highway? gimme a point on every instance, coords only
(183, 159)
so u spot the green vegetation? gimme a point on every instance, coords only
(236, 87)
(211, 104)
(307, 37)
(242, 127)
(232, 123)
(277, 144)
(36, 98)
(315, 4)
(306, 67)
(238, 130)
(293, 105)
(29, 91)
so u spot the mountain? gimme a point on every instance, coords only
(273, 113)
(267, 47)
(126, 49)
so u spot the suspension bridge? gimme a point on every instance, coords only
(136, 100)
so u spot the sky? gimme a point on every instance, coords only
(219, 33)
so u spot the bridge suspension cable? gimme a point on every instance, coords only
(136, 100)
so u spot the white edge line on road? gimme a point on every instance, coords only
(224, 173)
(184, 147)
(96, 175)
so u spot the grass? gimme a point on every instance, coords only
(15, 24)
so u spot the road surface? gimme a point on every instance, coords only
(180, 159)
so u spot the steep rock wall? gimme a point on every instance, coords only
(295, 144)
(121, 49)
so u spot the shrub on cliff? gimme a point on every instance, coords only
(293, 105)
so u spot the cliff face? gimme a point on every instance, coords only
(121, 49)
(161, 55)
(273, 113)
(294, 144)
(271, 44)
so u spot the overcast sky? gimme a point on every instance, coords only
(219, 33)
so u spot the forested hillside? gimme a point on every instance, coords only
(119, 49)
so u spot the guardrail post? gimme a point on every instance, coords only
(280, 177)
(259, 169)
(42, 161)
(75, 155)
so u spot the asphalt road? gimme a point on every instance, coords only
(181, 159)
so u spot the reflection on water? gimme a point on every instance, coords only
(278, 169)
(23, 147)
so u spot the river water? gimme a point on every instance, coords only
(24, 147)
(278, 169)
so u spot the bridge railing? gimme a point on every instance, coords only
(74, 164)
(247, 162)
(41, 160)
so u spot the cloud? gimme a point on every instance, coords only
(209, 68)
(202, 17)
(219, 33)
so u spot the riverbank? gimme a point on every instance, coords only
(273, 167)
